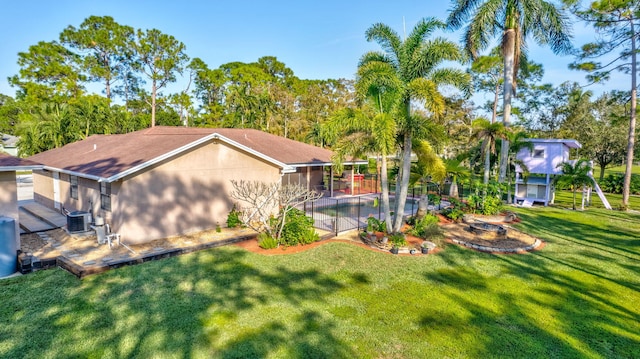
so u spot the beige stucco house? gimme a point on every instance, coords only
(10, 237)
(164, 181)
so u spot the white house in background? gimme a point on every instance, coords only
(542, 161)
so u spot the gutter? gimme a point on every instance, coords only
(73, 173)
(20, 168)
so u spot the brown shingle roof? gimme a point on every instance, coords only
(8, 161)
(106, 156)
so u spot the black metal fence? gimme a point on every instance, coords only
(346, 213)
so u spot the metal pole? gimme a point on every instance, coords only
(336, 218)
(413, 201)
(358, 220)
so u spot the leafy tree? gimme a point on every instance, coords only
(317, 101)
(50, 126)
(209, 90)
(160, 57)
(609, 135)
(105, 46)
(486, 72)
(514, 21)
(574, 175)
(10, 110)
(48, 72)
(409, 68)
(616, 21)
(456, 122)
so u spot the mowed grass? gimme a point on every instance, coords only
(576, 298)
(564, 198)
(617, 169)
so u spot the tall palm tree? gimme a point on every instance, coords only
(574, 175)
(514, 21)
(369, 129)
(410, 68)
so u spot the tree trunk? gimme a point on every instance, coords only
(508, 48)
(153, 103)
(453, 189)
(494, 115)
(401, 196)
(487, 166)
(384, 179)
(487, 155)
(108, 89)
(632, 124)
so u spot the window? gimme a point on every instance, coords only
(73, 181)
(538, 153)
(105, 196)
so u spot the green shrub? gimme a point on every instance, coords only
(490, 205)
(398, 239)
(453, 214)
(613, 183)
(376, 225)
(265, 241)
(298, 228)
(310, 236)
(426, 227)
(233, 219)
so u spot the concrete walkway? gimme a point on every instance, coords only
(35, 217)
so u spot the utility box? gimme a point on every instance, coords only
(8, 246)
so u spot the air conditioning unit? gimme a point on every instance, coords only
(78, 221)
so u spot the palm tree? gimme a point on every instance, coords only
(574, 175)
(517, 141)
(514, 21)
(429, 165)
(488, 134)
(455, 170)
(370, 129)
(410, 69)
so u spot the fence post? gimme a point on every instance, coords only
(358, 219)
(413, 199)
(313, 214)
(336, 218)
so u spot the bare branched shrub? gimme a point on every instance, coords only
(265, 205)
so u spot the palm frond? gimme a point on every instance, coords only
(420, 32)
(386, 37)
(427, 91)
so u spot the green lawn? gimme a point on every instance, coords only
(565, 199)
(618, 169)
(576, 298)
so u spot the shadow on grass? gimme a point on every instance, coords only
(177, 307)
(554, 302)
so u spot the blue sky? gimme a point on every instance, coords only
(316, 39)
